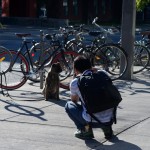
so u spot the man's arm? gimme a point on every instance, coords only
(73, 89)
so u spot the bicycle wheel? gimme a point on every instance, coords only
(5, 60)
(67, 66)
(141, 58)
(112, 58)
(148, 47)
(74, 45)
(38, 56)
(17, 75)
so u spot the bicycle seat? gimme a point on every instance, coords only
(145, 33)
(21, 35)
(95, 33)
(48, 36)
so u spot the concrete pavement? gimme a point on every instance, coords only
(27, 122)
(9, 40)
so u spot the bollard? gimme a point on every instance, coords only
(41, 72)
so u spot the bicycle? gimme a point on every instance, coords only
(22, 67)
(103, 55)
(146, 42)
(141, 53)
(5, 60)
(52, 42)
(141, 57)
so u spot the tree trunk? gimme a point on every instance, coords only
(128, 34)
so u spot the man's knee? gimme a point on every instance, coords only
(69, 105)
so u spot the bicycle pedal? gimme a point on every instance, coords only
(36, 62)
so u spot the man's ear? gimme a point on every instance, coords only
(74, 98)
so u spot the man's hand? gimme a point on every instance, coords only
(75, 98)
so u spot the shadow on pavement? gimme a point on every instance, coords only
(23, 110)
(116, 144)
(61, 102)
(138, 85)
(24, 95)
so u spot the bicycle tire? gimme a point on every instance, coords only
(67, 74)
(74, 45)
(5, 60)
(17, 75)
(148, 47)
(36, 53)
(141, 58)
(35, 56)
(112, 58)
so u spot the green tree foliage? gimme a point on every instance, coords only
(140, 4)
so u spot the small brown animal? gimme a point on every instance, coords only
(51, 87)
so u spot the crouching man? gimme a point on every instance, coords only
(77, 111)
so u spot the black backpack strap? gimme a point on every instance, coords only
(95, 118)
(114, 115)
(113, 121)
(91, 114)
(79, 78)
(86, 105)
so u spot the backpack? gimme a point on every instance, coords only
(98, 91)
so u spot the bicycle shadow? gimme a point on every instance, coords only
(31, 83)
(62, 102)
(115, 144)
(138, 85)
(25, 110)
(64, 97)
(24, 95)
(31, 96)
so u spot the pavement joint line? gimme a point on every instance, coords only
(124, 130)
(129, 127)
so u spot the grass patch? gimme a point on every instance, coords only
(1, 26)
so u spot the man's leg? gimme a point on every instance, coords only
(74, 111)
(108, 132)
(106, 128)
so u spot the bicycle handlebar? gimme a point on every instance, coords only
(100, 27)
(94, 21)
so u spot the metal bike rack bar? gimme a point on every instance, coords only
(41, 72)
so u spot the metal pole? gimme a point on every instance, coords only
(128, 34)
(41, 58)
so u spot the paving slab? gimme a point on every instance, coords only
(29, 122)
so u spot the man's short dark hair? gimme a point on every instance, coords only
(81, 63)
